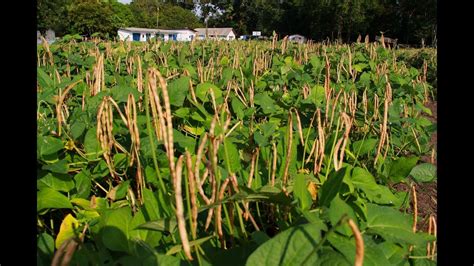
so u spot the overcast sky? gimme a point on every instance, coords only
(125, 1)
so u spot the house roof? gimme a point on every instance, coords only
(214, 31)
(144, 30)
(296, 36)
(140, 30)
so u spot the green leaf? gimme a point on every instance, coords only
(337, 209)
(363, 147)
(401, 168)
(59, 167)
(260, 237)
(150, 205)
(44, 80)
(290, 247)
(51, 199)
(317, 95)
(333, 258)
(332, 186)
(424, 172)
(115, 233)
(163, 225)
(66, 231)
(372, 257)
(83, 184)
(238, 107)
(202, 90)
(120, 160)
(224, 61)
(160, 259)
(45, 244)
(77, 129)
(267, 104)
(392, 225)
(179, 247)
(92, 145)
(178, 89)
(393, 252)
(183, 141)
(232, 158)
(364, 181)
(301, 193)
(50, 145)
(58, 182)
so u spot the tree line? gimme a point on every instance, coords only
(411, 21)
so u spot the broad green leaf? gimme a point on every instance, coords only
(333, 258)
(232, 158)
(260, 237)
(66, 231)
(59, 182)
(267, 104)
(364, 181)
(332, 186)
(182, 112)
(290, 247)
(160, 259)
(51, 199)
(91, 144)
(44, 80)
(119, 191)
(164, 225)
(77, 129)
(115, 233)
(337, 209)
(348, 248)
(59, 167)
(301, 192)
(83, 184)
(238, 107)
(178, 89)
(203, 90)
(183, 141)
(120, 160)
(401, 168)
(45, 244)
(317, 95)
(150, 204)
(138, 234)
(224, 61)
(424, 172)
(363, 147)
(392, 225)
(393, 252)
(50, 145)
(178, 248)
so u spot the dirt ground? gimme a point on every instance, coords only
(426, 193)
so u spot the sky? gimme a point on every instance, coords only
(125, 1)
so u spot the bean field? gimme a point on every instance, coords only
(233, 153)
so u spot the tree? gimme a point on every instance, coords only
(162, 14)
(52, 14)
(90, 16)
(122, 15)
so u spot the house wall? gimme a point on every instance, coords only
(123, 35)
(180, 35)
(231, 36)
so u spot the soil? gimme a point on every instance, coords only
(426, 193)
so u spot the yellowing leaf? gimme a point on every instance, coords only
(66, 230)
(313, 190)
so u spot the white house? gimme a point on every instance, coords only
(141, 34)
(215, 33)
(297, 38)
